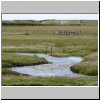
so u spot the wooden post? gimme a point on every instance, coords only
(45, 50)
(80, 32)
(51, 49)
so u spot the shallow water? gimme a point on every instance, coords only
(58, 66)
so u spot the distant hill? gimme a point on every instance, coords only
(51, 22)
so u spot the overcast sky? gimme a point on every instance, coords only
(49, 16)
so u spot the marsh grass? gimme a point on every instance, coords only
(23, 50)
(39, 37)
(68, 45)
(13, 60)
(88, 67)
(21, 80)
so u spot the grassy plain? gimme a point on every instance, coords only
(38, 39)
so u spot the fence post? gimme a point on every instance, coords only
(45, 50)
(80, 32)
(51, 49)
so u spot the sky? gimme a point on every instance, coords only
(49, 16)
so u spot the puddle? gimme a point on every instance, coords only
(59, 66)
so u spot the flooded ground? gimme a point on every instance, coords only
(56, 67)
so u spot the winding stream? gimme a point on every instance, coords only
(57, 67)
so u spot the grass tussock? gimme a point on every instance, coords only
(88, 67)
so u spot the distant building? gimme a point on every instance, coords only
(61, 22)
